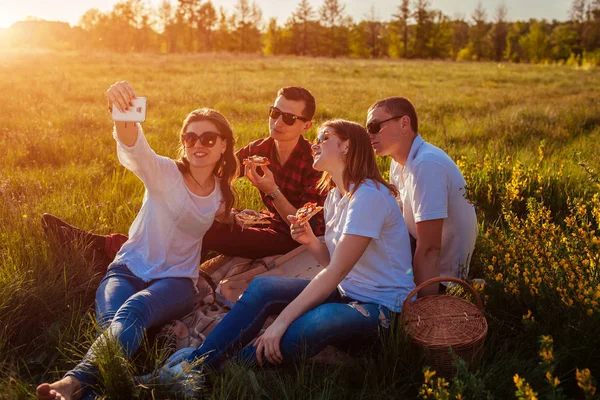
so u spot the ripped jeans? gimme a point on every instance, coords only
(338, 321)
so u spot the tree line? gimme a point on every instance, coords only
(416, 30)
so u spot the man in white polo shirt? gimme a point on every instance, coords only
(431, 197)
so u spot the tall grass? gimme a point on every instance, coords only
(519, 133)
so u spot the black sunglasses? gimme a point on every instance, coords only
(207, 139)
(321, 137)
(287, 118)
(374, 127)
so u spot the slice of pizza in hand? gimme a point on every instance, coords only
(306, 212)
(248, 219)
(256, 160)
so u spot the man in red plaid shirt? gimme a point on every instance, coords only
(285, 185)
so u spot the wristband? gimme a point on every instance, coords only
(274, 194)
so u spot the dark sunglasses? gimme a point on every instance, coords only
(207, 139)
(323, 135)
(287, 118)
(374, 127)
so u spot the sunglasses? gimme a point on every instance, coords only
(374, 127)
(321, 137)
(287, 118)
(207, 139)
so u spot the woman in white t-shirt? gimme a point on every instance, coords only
(367, 276)
(153, 277)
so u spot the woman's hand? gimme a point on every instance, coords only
(267, 345)
(121, 95)
(301, 232)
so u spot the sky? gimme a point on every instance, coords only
(71, 10)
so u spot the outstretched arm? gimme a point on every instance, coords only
(121, 95)
(158, 173)
(347, 252)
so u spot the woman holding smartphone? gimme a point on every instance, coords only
(152, 279)
(367, 276)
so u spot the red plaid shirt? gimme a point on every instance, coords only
(296, 178)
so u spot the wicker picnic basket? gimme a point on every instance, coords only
(439, 322)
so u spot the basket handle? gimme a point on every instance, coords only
(444, 279)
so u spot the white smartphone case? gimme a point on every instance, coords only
(137, 113)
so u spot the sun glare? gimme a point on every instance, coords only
(7, 18)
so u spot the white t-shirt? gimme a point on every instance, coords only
(165, 238)
(383, 274)
(432, 187)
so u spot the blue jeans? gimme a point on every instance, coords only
(126, 307)
(337, 321)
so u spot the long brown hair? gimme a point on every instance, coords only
(360, 160)
(227, 167)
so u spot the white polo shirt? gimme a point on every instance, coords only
(432, 187)
(383, 274)
(165, 238)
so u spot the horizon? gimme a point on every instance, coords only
(72, 10)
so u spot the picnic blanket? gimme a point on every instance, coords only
(225, 279)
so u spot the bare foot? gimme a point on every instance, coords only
(68, 388)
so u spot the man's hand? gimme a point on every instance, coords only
(265, 183)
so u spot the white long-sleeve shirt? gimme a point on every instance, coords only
(165, 238)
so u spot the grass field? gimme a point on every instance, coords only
(527, 138)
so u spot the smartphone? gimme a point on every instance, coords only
(137, 113)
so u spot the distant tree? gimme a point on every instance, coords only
(90, 19)
(246, 22)
(478, 34)
(166, 23)
(440, 40)
(38, 33)
(536, 44)
(590, 32)
(499, 32)
(332, 17)
(302, 19)
(562, 42)
(373, 29)
(401, 19)
(460, 36)
(423, 27)
(578, 11)
(415, 30)
(123, 29)
(275, 39)
(369, 38)
(206, 23)
(223, 35)
(513, 51)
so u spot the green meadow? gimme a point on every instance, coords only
(527, 138)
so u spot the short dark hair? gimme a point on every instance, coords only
(297, 93)
(399, 106)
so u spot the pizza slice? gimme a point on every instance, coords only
(307, 211)
(248, 219)
(257, 160)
